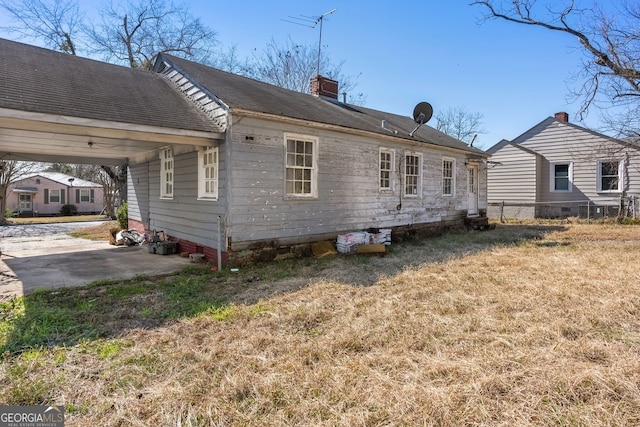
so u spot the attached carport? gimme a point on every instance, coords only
(60, 108)
(56, 107)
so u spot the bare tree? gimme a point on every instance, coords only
(10, 171)
(56, 22)
(228, 60)
(135, 33)
(460, 124)
(292, 66)
(609, 39)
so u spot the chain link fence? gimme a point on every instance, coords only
(621, 207)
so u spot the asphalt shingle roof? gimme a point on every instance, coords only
(39, 80)
(239, 92)
(63, 178)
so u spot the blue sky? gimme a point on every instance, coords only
(405, 52)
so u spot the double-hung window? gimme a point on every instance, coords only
(561, 177)
(448, 177)
(84, 195)
(386, 169)
(208, 173)
(412, 174)
(609, 175)
(166, 173)
(301, 170)
(55, 196)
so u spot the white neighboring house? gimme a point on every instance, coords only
(558, 169)
(44, 194)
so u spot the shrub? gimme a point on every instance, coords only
(122, 215)
(68, 210)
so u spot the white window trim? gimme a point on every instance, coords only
(314, 168)
(202, 193)
(51, 201)
(165, 154)
(85, 192)
(552, 177)
(453, 176)
(621, 178)
(392, 153)
(404, 174)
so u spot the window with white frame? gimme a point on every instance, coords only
(448, 177)
(166, 173)
(301, 165)
(412, 174)
(208, 173)
(85, 195)
(609, 176)
(386, 169)
(54, 196)
(561, 177)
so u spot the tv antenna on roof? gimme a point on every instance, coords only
(312, 22)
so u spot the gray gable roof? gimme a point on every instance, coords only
(39, 80)
(552, 120)
(242, 93)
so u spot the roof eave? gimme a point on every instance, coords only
(351, 131)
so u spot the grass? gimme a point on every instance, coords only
(56, 219)
(524, 325)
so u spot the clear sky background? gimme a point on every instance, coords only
(405, 52)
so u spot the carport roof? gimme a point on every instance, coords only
(42, 86)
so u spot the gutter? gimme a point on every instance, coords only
(351, 131)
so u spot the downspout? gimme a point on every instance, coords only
(227, 220)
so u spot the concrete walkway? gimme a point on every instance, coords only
(44, 256)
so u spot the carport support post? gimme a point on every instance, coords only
(219, 243)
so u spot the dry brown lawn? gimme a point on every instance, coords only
(523, 325)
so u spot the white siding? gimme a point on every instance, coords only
(252, 201)
(348, 195)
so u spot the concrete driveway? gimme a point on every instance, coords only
(45, 256)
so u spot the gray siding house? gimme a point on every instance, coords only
(232, 167)
(295, 168)
(559, 169)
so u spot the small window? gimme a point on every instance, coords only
(54, 196)
(301, 166)
(85, 195)
(448, 177)
(166, 173)
(609, 176)
(386, 169)
(561, 177)
(208, 173)
(412, 174)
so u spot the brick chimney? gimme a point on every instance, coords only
(323, 86)
(562, 117)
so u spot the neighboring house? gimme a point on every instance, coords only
(229, 166)
(44, 194)
(559, 169)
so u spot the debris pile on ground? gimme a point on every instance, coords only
(350, 242)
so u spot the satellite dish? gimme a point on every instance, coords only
(421, 115)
